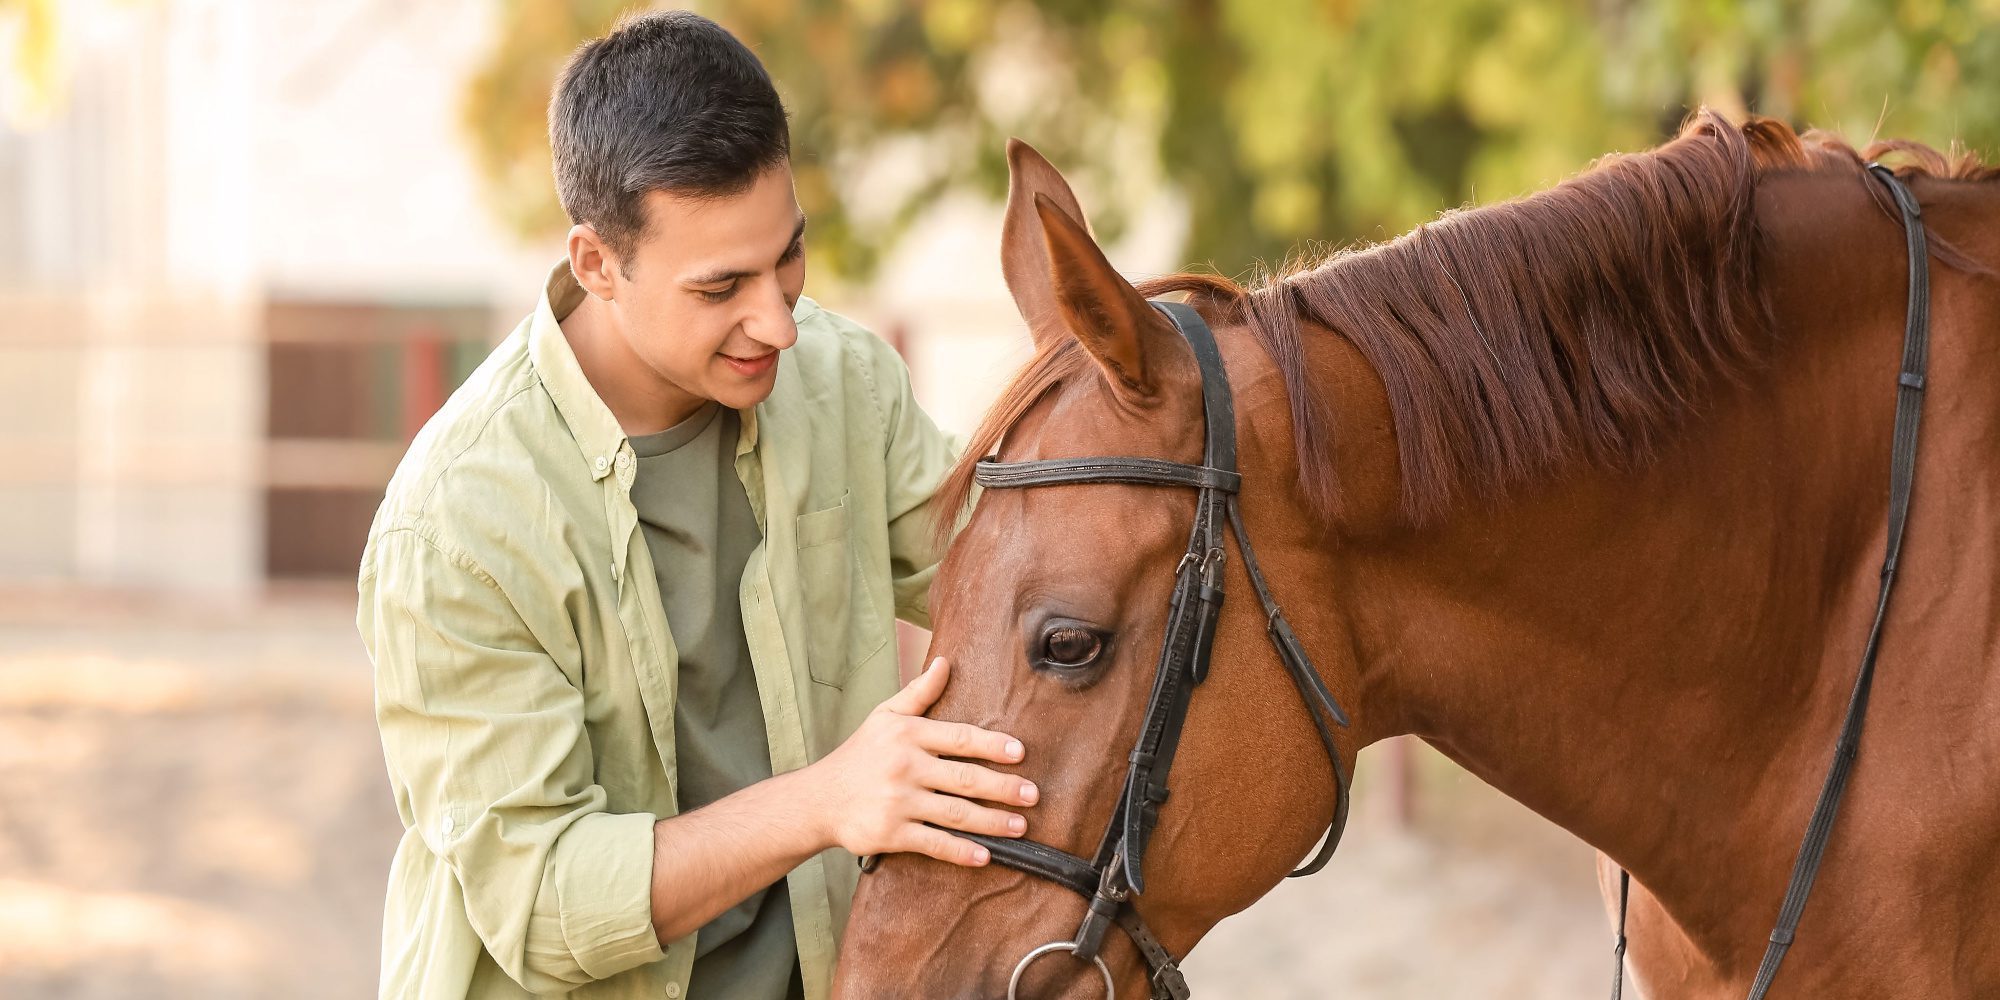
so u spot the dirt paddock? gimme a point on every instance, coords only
(192, 804)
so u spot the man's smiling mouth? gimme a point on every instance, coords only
(753, 365)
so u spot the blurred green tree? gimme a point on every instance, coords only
(28, 63)
(1278, 121)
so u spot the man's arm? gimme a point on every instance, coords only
(484, 738)
(486, 746)
(871, 795)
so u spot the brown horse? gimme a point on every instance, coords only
(1588, 490)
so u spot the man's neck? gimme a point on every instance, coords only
(640, 399)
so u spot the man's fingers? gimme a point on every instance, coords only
(954, 813)
(970, 781)
(936, 843)
(957, 739)
(917, 696)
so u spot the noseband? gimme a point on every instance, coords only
(1117, 872)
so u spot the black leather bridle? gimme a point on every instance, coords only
(1117, 872)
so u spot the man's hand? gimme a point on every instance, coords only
(878, 789)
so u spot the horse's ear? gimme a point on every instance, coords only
(1097, 305)
(1024, 254)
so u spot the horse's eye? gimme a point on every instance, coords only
(1070, 645)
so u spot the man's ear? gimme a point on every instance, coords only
(592, 262)
(1094, 303)
(1024, 255)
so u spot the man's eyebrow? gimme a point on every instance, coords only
(718, 277)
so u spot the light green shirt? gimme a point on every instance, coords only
(525, 678)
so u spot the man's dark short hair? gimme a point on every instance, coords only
(668, 101)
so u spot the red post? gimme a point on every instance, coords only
(423, 378)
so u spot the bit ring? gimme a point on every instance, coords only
(1014, 981)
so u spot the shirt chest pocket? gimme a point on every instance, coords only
(840, 615)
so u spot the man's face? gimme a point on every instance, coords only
(706, 297)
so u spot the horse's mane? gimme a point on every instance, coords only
(1581, 322)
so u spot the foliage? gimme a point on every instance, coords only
(1277, 120)
(28, 44)
(506, 105)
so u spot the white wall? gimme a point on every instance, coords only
(363, 186)
(209, 153)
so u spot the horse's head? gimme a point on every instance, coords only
(1053, 606)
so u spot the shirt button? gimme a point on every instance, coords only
(624, 461)
(673, 991)
(600, 465)
(445, 826)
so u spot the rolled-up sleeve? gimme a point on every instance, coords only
(594, 911)
(486, 747)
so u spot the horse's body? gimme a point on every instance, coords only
(1651, 648)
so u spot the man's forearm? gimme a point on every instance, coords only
(708, 860)
(884, 789)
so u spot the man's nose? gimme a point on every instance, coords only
(772, 325)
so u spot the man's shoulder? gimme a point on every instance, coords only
(834, 350)
(481, 447)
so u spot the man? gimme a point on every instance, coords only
(629, 595)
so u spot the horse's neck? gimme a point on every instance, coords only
(1631, 653)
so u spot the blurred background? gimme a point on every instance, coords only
(248, 246)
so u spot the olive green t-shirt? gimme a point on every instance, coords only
(700, 531)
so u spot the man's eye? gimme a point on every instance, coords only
(722, 295)
(792, 253)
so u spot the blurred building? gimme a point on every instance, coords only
(246, 256)
(239, 263)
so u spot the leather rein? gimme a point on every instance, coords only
(1902, 477)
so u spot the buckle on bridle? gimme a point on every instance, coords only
(1211, 564)
(1167, 979)
(1111, 894)
(1090, 934)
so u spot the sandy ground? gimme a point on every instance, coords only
(192, 804)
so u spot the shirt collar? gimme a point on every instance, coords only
(591, 424)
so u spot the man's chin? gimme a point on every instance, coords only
(743, 395)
